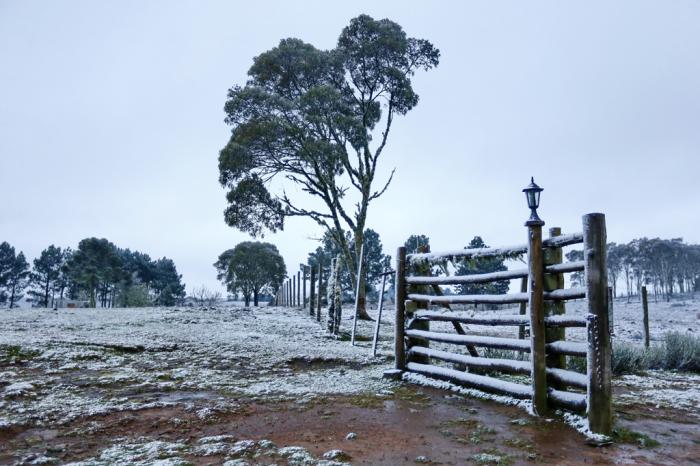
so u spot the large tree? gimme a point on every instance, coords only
(94, 267)
(167, 284)
(14, 274)
(251, 268)
(45, 274)
(319, 119)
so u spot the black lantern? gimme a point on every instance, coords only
(532, 193)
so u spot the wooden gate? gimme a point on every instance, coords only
(552, 385)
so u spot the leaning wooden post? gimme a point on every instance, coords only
(312, 289)
(357, 295)
(320, 293)
(599, 348)
(400, 304)
(645, 317)
(554, 281)
(537, 328)
(611, 304)
(380, 306)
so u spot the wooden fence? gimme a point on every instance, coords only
(552, 385)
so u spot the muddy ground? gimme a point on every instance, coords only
(235, 387)
(413, 425)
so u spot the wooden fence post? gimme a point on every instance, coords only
(320, 293)
(645, 317)
(400, 304)
(299, 303)
(599, 349)
(303, 287)
(554, 281)
(312, 289)
(537, 328)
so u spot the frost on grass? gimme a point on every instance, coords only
(661, 389)
(96, 361)
(242, 452)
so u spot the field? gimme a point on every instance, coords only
(268, 386)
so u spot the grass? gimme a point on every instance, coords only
(679, 351)
(624, 435)
(11, 354)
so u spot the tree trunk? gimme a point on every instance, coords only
(255, 297)
(362, 293)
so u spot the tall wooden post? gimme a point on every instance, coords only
(320, 292)
(537, 328)
(599, 348)
(357, 294)
(299, 303)
(303, 286)
(312, 289)
(554, 281)
(645, 317)
(400, 301)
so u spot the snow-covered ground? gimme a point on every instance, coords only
(81, 362)
(58, 366)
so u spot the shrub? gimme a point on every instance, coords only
(629, 358)
(682, 352)
(679, 351)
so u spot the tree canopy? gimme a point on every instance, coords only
(319, 119)
(251, 268)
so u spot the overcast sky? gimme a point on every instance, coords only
(111, 120)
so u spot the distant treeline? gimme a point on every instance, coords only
(666, 265)
(97, 272)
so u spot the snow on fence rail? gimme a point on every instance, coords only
(542, 312)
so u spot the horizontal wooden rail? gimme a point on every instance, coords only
(509, 298)
(473, 253)
(468, 318)
(564, 320)
(573, 401)
(482, 382)
(475, 340)
(466, 279)
(568, 400)
(506, 251)
(565, 294)
(493, 276)
(569, 348)
(563, 240)
(515, 319)
(566, 267)
(509, 366)
(471, 298)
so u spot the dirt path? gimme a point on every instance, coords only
(414, 424)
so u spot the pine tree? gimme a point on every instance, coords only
(18, 279)
(481, 265)
(46, 271)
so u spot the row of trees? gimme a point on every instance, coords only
(666, 265)
(97, 272)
